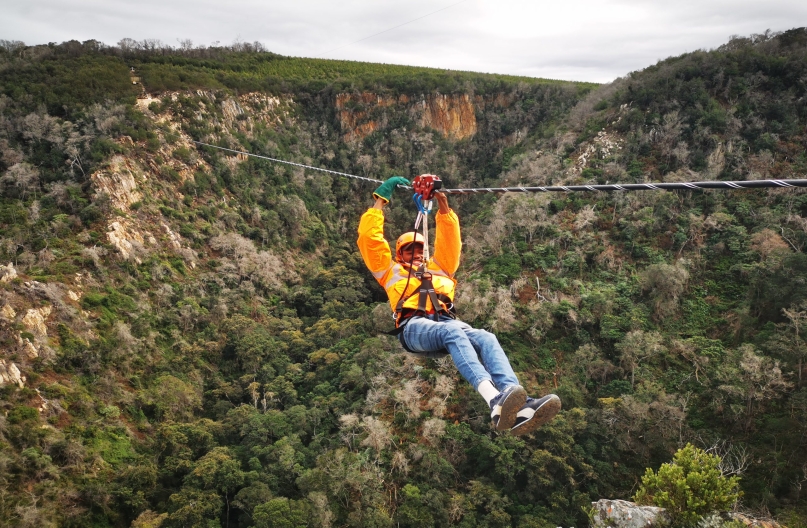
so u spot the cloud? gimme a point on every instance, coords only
(592, 40)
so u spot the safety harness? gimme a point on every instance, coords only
(424, 292)
(424, 186)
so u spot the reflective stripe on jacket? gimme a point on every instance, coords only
(392, 276)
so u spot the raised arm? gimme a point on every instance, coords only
(447, 243)
(374, 248)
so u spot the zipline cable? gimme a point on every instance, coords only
(291, 163)
(749, 184)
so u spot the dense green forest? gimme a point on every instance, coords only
(191, 339)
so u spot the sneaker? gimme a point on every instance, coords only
(505, 406)
(535, 413)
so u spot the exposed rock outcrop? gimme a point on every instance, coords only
(7, 273)
(127, 238)
(242, 113)
(118, 181)
(236, 113)
(624, 514)
(8, 312)
(752, 522)
(602, 146)
(453, 115)
(9, 373)
(356, 114)
(34, 321)
(173, 238)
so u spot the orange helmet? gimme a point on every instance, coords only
(407, 238)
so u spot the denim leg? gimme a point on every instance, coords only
(493, 357)
(466, 345)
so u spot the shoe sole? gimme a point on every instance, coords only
(543, 415)
(510, 407)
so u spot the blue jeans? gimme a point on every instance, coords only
(476, 353)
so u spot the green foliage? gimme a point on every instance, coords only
(282, 513)
(192, 507)
(67, 77)
(504, 268)
(244, 378)
(114, 446)
(270, 72)
(412, 512)
(690, 487)
(173, 398)
(22, 413)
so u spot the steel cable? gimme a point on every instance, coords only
(749, 184)
(290, 163)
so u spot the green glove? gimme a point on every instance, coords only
(384, 191)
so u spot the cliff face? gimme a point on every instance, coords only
(453, 116)
(358, 115)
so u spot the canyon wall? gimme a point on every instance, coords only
(361, 114)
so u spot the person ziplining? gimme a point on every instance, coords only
(421, 293)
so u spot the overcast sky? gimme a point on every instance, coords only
(581, 40)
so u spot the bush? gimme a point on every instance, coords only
(690, 487)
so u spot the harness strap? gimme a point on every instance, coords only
(426, 291)
(433, 299)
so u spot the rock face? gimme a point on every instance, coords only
(121, 235)
(34, 321)
(357, 113)
(9, 373)
(362, 114)
(7, 273)
(600, 147)
(242, 113)
(753, 523)
(118, 181)
(452, 115)
(624, 514)
(8, 312)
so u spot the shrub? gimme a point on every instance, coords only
(690, 487)
(666, 284)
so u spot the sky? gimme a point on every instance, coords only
(577, 40)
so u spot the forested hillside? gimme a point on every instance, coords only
(189, 338)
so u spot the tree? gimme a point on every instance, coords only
(282, 513)
(797, 321)
(666, 283)
(194, 507)
(174, 399)
(412, 512)
(490, 505)
(689, 487)
(20, 180)
(219, 471)
(751, 380)
(636, 347)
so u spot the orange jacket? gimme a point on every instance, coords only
(392, 276)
